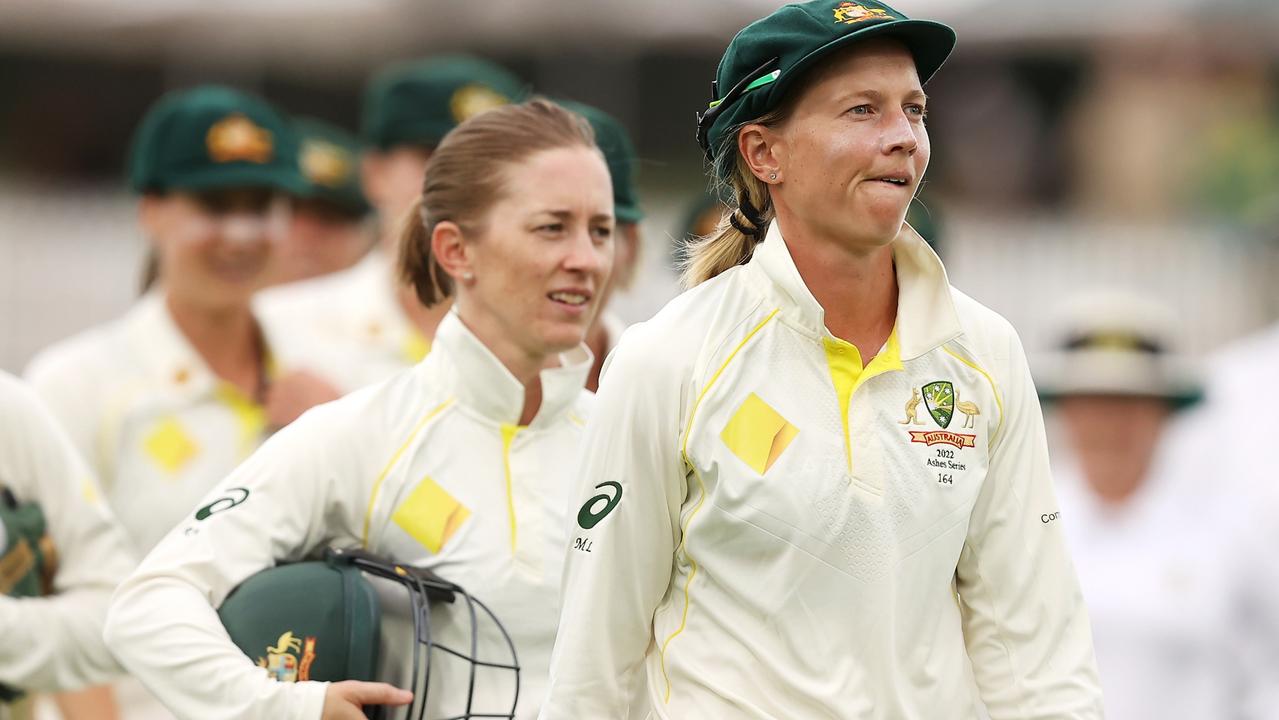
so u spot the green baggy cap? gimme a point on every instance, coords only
(419, 102)
(619, 154)
(766, 57)
(328, 158)
(213, 137)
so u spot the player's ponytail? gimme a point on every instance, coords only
(744, 226)
(466, 177)
(418, 266)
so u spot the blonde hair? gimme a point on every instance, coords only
(742, 227)
(464, 179)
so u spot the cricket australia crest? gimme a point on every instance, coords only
(939, 398)
(289, 660)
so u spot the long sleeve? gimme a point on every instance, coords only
(1024, 619)
(55, 642)
(624, 534)
(283, 502)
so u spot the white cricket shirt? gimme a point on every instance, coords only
(55, 642)
(157, 426)
(428, 468)
(775, 531)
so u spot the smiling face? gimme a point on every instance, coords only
(851, 152)
(543, 257)
(214, 247)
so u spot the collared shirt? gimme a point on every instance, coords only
(55, 642)
(428, 468)
(157, 426)
(349, 325)
(774, 530)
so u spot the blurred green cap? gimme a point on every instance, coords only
(307, 621)
(419, 102)
(328, 158)
(767, 56)
(619, 154)
(210, 138)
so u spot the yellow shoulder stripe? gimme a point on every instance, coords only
(701, 499)
(993, 388)
(377, 484)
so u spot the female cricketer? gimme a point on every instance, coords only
(456, 464)
(816, 484)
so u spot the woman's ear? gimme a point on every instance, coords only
(762, 150)
(451, 252)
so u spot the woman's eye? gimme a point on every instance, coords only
(603, 233)
(860, 110)
(551, 228)
(917, 111)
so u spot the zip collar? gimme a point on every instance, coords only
(481, 382)
(926, 316)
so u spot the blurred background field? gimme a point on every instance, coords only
(1075, 144)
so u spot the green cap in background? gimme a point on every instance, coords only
(213, 137)
(418, 102)
(328, 158)
(766, 57)
(619, 153)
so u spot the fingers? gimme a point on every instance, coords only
(367, 693)
(344, 700)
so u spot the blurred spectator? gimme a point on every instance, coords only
(327, 231)
(364, 324)
(1162, 547)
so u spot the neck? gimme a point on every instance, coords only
(226, 338)
(857, 288)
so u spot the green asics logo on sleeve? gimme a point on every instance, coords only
(588, 517)
(234, 497)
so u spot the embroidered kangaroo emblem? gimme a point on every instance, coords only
(912, 409)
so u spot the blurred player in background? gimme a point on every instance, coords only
(363, 324)
(165, 401)
(821, 460)
(1163, 540)
(61, 555)
(619, 153)
(457, 464)
(327, 232)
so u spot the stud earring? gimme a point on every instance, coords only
(468, 276)
(772, 176)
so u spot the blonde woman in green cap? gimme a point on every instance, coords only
(363, 324)
(813, 484)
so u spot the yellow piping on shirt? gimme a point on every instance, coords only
(692, 573)
(993, 388)
(508, 436)
(377, 484)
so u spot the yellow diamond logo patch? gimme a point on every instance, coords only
(170, 446)
(430, 515)
(758, 434)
